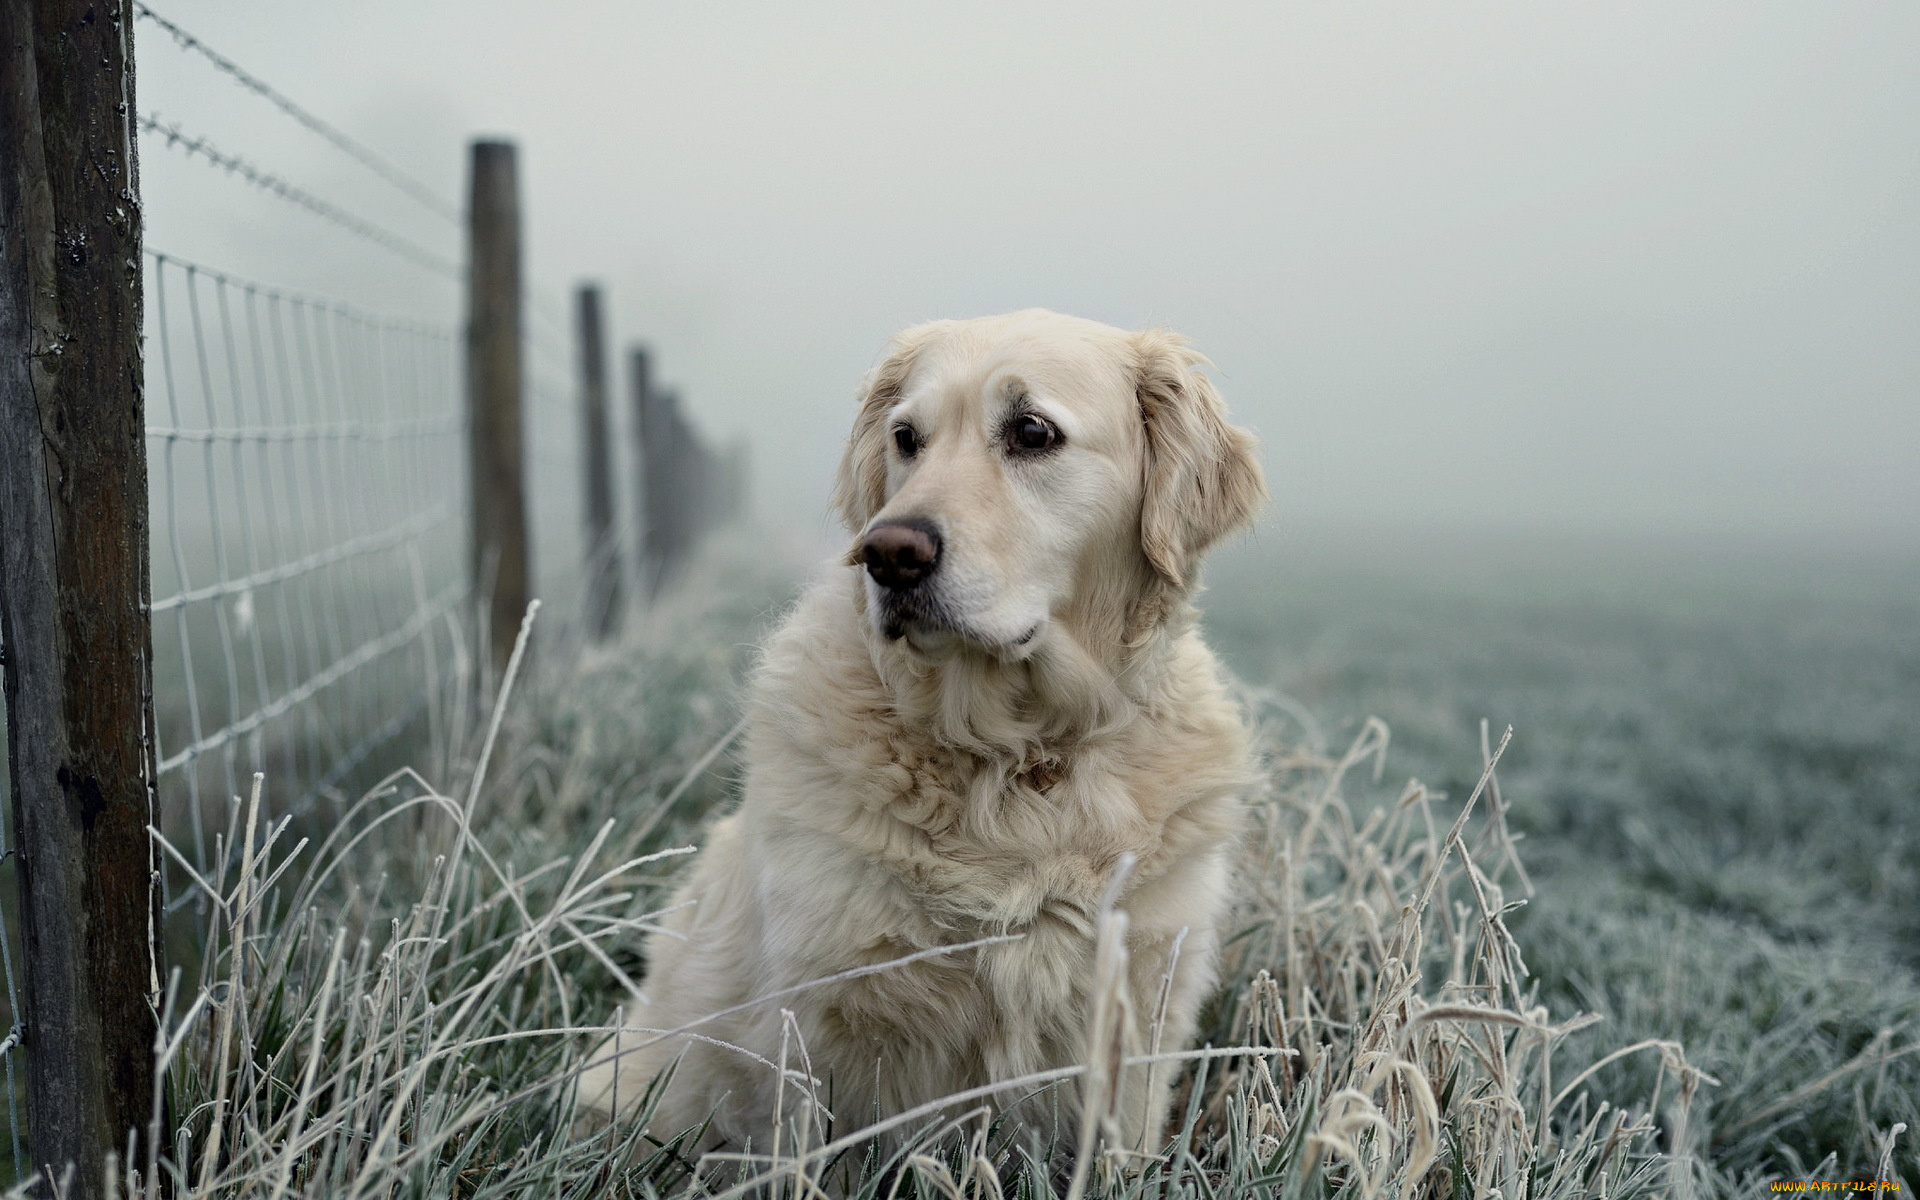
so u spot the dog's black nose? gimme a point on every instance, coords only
(899, 554)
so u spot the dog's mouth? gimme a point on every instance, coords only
(925, 623)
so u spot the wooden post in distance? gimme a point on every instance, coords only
(596, 462)
(502, 567)
(651, 454)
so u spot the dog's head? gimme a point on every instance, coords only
(1010, 476)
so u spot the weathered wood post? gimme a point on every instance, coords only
(596, 453)
(697, 479)
(74, 580)
(502, 571)
(654, 454)
(673, 472)
(681, 473)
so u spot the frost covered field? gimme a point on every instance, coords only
(1715, 772)
(1708, 802)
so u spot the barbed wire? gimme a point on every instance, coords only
(340, 141)
(541, 302)
(273, 184)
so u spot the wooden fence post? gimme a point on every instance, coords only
(680, 475)
(654, 458)
(676, 468)
(695, 487)
(74, 581)
(502, 571)
(603, 552)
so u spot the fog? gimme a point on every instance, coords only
(1627, 269)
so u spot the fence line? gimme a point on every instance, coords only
(312, 603)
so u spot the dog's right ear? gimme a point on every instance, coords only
(860, 488)
(1202, 478)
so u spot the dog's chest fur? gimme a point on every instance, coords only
(987, 847)
(965, 843)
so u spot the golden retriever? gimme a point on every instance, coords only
(996, 703)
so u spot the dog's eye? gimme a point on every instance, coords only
(1031, 434)
(905, 440)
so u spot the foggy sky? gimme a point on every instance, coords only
(1639, 268)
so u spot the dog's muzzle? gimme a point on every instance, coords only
(901, 554)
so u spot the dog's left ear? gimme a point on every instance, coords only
(1202, 475)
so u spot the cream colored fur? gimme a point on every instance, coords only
(982, 773)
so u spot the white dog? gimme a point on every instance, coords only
(964, 732)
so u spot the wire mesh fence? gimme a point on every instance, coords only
(313, 610)
(309, 589)
(310, 603)
(310, 595)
